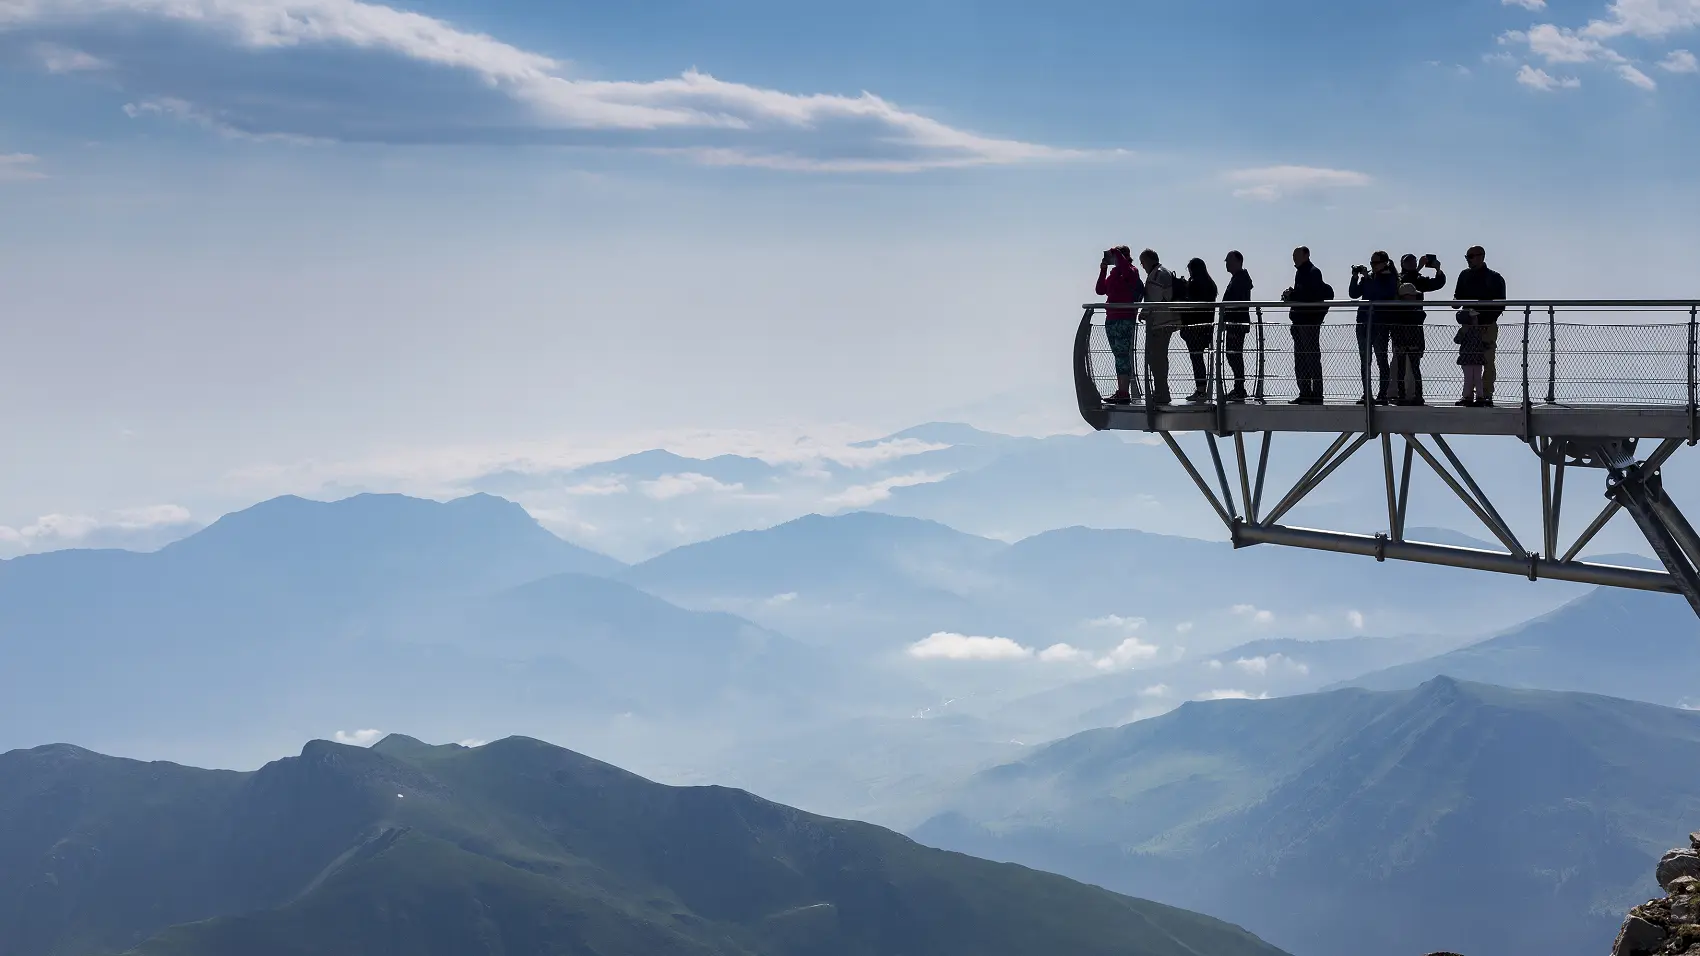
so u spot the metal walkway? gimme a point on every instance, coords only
(1582, 383)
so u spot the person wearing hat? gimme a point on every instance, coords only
(1408, 339)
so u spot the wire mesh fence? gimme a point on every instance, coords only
(1568, 354)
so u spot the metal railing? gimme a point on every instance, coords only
(1575, 352)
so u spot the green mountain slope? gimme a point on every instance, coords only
(1452, 816)
(516, 847)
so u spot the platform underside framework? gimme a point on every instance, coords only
(1240, 439)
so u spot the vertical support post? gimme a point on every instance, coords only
(1245, 482)
(1217, 333)
(1548, 545)
(1365, 352)
(1262, 469)
(1557, 506)
(1693, 415)
(1143, 343)
(1404, 489)
(1260, 357)
(1552, 357)
(1528, 417)
(1392, 489)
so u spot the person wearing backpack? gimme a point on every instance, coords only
(1160, 324)
(1198, 326)
(1308, 287)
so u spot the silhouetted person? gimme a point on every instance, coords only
(1308, 286)
(1375, 283)
(1409, 342)
(1199, 326)
(1119, 283)
(1160, 323)
(1469, 341)
(1479, 283)
(1236, 323)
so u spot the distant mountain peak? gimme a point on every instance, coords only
(940, 433)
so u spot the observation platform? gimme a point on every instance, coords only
(1581, 382)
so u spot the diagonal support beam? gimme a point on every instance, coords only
(1504, 536)
(1481, 497)
(1262, 470)
(1317, 475)
(1654, 462)
(1404, 492)
(1198, 479)
(1221, 474)
(1245, 481)
(1392, 486)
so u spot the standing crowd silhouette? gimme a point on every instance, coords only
(1390, 323)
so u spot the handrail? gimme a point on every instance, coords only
(1184, 306)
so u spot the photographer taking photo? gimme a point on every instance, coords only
(1119, 284)
(1376, 282)
(1408, 339)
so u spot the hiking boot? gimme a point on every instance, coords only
(1198, 397)
(1237, 396)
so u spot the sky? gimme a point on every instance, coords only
(265, 246)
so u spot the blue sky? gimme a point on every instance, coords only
(245, 236)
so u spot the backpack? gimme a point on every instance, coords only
(1328, 291)
(1181, 290)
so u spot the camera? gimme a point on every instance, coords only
(1109, 257)
(1431, 260)
(1360, 270)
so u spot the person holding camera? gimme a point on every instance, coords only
(1478, 283)
(1376, 282)
(1308, 287)
(1236, 322)
(1160, 324)
(1408, 339)
(1119, 284)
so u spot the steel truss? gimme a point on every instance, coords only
(1631, 485)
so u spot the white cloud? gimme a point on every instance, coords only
(63, 59)
(1184, 627)
(860, 496)
(945, 645)
(1262, 664)
(1526, 4)
(1680, 61)
(16, 167)
(1155, 690)
(1539, 79)
(509, 93)
(1636, 77)
(1214, 665)
(117, 528)
(780, 600)
(674, 486)
(1647, 19)
(1233, 695)
(1117, 622)
(1356, 619)
(1271, 183)
(1556, 44)
(597, 488)
(1254, 613)
(1126, 654)
(472, 742)
(1064, 653)
(359, 738)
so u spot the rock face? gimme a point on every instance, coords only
(1671, 925)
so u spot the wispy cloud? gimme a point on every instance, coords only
(1646, 19)
(1536, 78)
(1680, 61)
(405, 77)
(674, 486)
(1636, 77)
(1064, 653)
(860, 496)
(1263, 664)
(945, 645)
(1233, 695)
(1252, 613)
(1127, 654)
(1272, 183)
(131, 527)
(1525, 4)
(359, 738)
(16, 167)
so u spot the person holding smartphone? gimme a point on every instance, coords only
(1376, 282)
(1408, 340)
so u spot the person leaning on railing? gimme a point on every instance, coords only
(1198, 326)
(1160, 323)
(1308, 286)
(1478, 283)
(1236, 323)
(1119, 283)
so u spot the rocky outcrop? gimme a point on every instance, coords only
(1669, 925)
